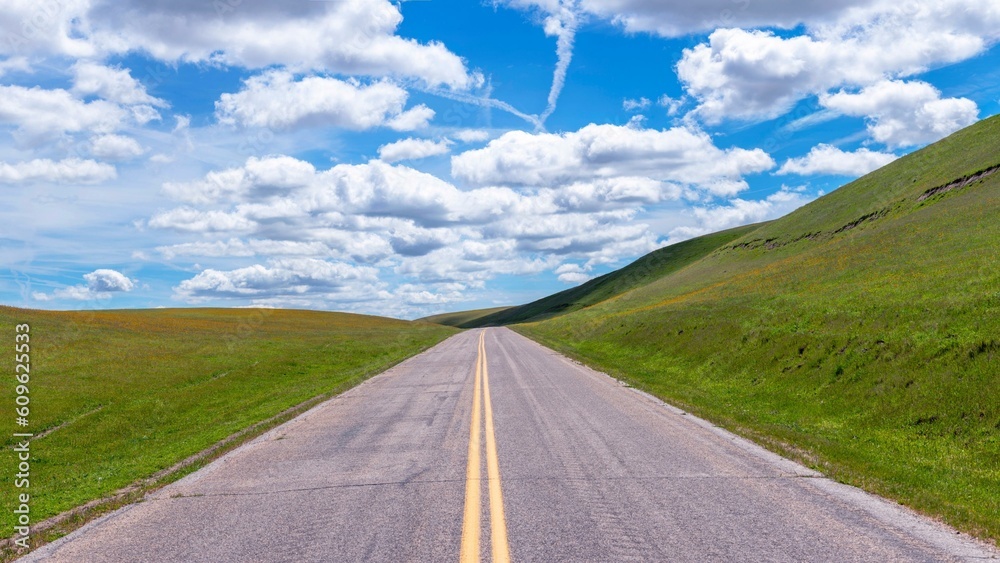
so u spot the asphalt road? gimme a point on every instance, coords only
(565, 464)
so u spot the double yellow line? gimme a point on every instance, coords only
(473, 474)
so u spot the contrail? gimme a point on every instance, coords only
(487, 102)
(568, 23)
(568, 18)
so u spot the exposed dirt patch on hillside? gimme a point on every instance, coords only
(959, 183)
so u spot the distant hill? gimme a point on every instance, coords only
(463, 319)
(647, 269)
(859, 334)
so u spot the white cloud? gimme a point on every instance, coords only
(471, 135)
(739, 212)
(756, 74)
(290, 277)
(412, 222)
(631, 104)
(68, 171)
(572, 274)
(39, 114)
(112, 84)
(679, 155)
(101, 284)
(472, 262)
(186, 219)
(115, 147)
(905, 113)
(277, 100)
(674, 19)
(267, 175)
(421, 295)
(412, 119)
(15, 64)
(826, 159)
(108, 281)
(345, 37)
(48, 28)
(412, 149)
(614, 193)
(673, 105)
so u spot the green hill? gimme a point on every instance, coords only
(859, 334)
(462, 319)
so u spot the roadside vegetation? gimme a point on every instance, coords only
(859, 334)
(117, 396)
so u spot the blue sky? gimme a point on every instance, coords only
(411, 158)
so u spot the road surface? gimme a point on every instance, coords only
(490, 447)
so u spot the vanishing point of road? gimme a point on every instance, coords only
(491, 447)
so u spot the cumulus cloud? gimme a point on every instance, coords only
(39, 114)
(43, 28)
(674, 19)
(472, 262)
(101, 284)
(412, 149)
(14, 64)
(905, 113)
(258, 176)
(115, 147)
(757, 74)
(187, 219)
(572, 274)
(348, 36)
(826, 159)
(68, 171)
(108, 281)
(282, 278)
(112, 84)
(680, 155)
(277, 100)
(417, 225)
(471, 135)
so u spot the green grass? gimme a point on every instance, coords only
(125, 394)
(463, 319)
(871, 353)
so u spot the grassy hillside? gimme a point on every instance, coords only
(859, 334)
(463, 319)
(647, 269)
(118, 395)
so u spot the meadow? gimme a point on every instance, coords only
(118, 396)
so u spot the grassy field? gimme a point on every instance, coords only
(118, 395)
(859, 334)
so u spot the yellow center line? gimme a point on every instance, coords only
(470, 523)
(498, 523)
(470, 551)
